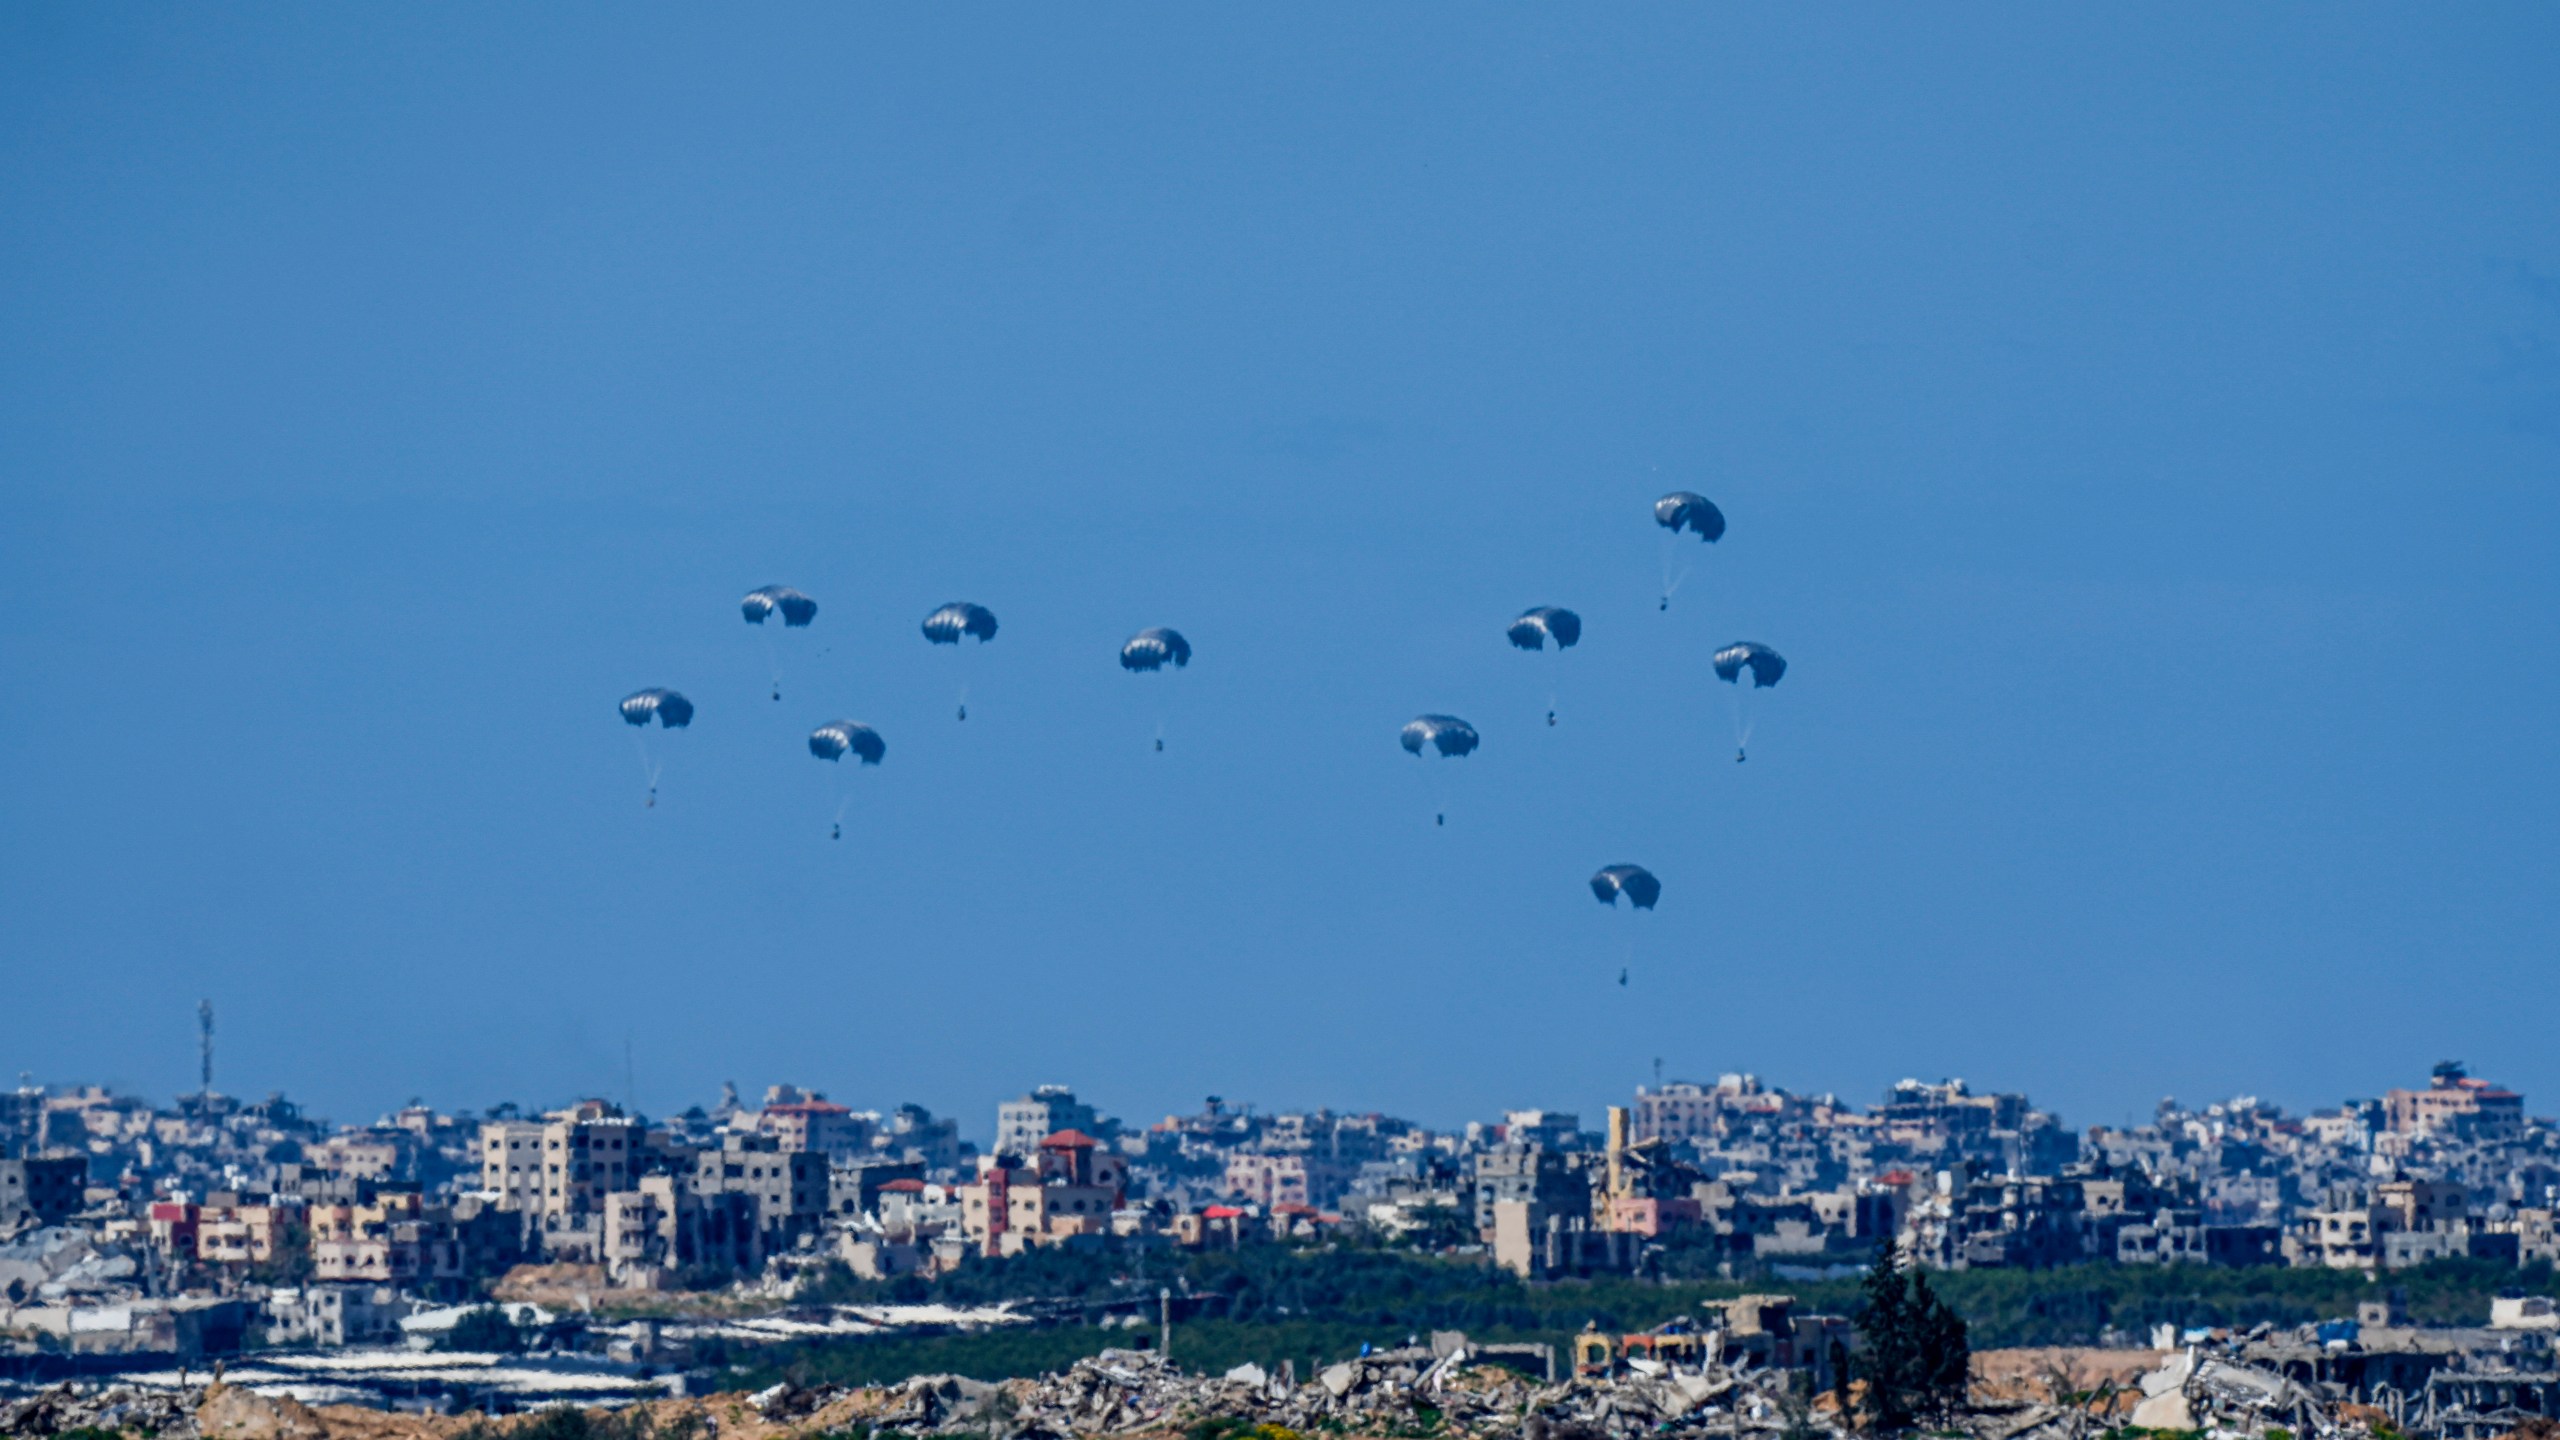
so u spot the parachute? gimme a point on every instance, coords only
(672, 712)
(1153, 648)
(797, 609)
(668, 708)
(1452, 737)
(1678, 511)
(1696, 514)
(1447, 734)
(837, 738)
(946, 625)
(1767, 666)
(1536, 627)
(1641, 889)
(1633, 881)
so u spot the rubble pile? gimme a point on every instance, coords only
(1456, 1390)
(924, 1404)
(169, 1414)
(2194, 1391)
(1454, 1393)
(2234, 1391)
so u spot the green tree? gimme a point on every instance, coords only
(1888, 1355)
(484, 1329)
(1946, 1355)
(1912, 1349)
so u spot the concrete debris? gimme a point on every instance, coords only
(1454, 1390)
(1451, 1389)
(167, 1414)
(2197, 1391)
(922, 1404)
(231, 1413)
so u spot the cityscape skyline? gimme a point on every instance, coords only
(741, 1087)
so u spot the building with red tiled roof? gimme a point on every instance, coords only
(815, 1123)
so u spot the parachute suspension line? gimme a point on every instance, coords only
(649, 768)
(1166, 696)
(772, 658)
(1671, 581)
(1745, 714)
(1434, 790)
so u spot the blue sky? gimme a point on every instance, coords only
(2139, 429)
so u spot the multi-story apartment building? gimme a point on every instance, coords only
(787, 1188)
(231, 1231)
(1022, 1124)
(665, 1226)
(44, 1191)
(1275, 1180)
(558, 1173)
(815, 1123)
(1550, 1182)
(1069, 1192)
(398, 1239)
(2454, 1103)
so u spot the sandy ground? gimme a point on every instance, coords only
(2031, 1373)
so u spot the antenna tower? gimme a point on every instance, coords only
(204, 1028)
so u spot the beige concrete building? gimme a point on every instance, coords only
(1070, 1192)
(511, 1163)
(558, 1173)
(396, 1240)
(2341, 1240)
(236, 1234)
(363, 1154)
(1275, 1180)
(665, 1226)
(815, 1123)
(2454, 1102)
